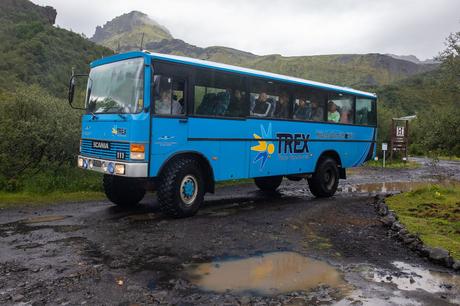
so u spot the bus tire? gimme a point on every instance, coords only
(268, 183)
(324, 181)
(181, 188)
(123, 191)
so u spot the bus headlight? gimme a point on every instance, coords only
(137, 151)
(119, 169)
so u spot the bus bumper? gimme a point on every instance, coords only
(113, 167)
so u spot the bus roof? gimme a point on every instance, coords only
(234, 69)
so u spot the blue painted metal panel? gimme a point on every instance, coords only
(256, 147)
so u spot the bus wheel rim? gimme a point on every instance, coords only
(188, 189)
(329, 178)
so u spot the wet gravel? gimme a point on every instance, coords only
(95, 253)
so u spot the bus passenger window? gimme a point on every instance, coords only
(302, 109)
(264, 98)
(262, 105)
(219, 94)
(365, 111)
(309, 105)
(238, 106)
(316, 108)
(167, 94)
(340, 108)
(282, 107)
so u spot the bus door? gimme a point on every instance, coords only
(169, 121)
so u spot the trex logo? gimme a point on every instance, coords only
(118, 131)
(293, 143)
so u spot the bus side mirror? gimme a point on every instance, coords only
(72, 86)
(71, 89)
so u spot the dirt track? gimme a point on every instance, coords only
(95, 253)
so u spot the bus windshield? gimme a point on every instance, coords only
(116, 87)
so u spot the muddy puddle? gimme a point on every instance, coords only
(267, 274)
(391, 187)
(413, 278)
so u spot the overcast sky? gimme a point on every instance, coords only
(287, 27)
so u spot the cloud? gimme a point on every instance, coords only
(289, 27)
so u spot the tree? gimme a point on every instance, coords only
(450, 59)
(38, 132)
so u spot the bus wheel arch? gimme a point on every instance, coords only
(205, 166)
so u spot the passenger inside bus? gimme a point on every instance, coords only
(332, 114)
(237, 107)
(316, 113)
(262, 106)
(163, 104)
(302, 111)
(346, 115)
(282, 107)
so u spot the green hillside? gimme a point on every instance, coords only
(40, 133)
(33, 51)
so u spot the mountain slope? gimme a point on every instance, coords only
(33, 51)
(125, 32)
(358, 70)
(362, 71)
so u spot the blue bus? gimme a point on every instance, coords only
(178, 125)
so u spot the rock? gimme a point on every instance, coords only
(397, 226)
(408, 239)
(388, 220)
(411, 280)
(245, 300)
(456, 265)
(382, 209)
(415, 245)
(17, 298)
(423, 250)
(440, 256)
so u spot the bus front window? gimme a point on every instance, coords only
(116, 87)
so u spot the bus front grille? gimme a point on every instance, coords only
(108, 149)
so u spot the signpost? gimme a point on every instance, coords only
(384, 150)
(400, 136)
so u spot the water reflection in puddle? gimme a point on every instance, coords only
(393, 186)
(416, 278)
(268, 274)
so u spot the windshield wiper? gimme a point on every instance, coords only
(93, 116)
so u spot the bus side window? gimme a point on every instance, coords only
(264, 98)
(365, 111)
(168, 95)
(219, 94)
(309, 105)
(340, 108)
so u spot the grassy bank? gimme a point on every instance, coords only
(52, 186)
(392, 164)
(434, 213)
(9, 199)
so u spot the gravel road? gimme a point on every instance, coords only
(243, 248)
